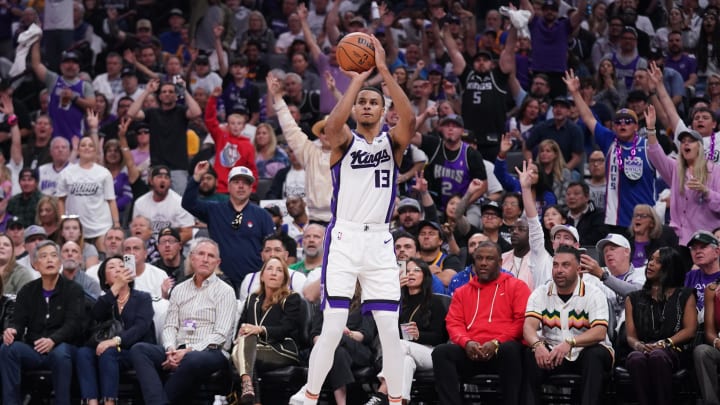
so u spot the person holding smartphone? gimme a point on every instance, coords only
(98, 366)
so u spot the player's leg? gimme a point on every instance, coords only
(321, 357)
(338, 287)
(380, 284)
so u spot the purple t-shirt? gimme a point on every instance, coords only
(639, 259)
(549, 53)
(686, 65)
(327, 100)
(698, 280)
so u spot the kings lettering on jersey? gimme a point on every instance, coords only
(362, 159)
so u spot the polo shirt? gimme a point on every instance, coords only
(239, 248)
(568, 136)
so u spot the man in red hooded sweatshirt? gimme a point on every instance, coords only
(484, 322)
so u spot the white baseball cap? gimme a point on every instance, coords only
(567, 228)
(615, 239)
(241, 171)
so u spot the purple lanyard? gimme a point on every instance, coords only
(618, 151)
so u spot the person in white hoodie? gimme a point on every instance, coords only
(314, 156)
(539, 260)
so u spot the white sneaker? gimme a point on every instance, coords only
(298, 398)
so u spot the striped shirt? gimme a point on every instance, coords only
(560, 320)
(198, 317)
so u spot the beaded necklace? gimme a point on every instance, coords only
(618, 151)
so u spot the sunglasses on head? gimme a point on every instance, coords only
(237, 221)
(626, 121)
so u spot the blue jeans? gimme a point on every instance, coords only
(107, 367)
(20, 356)
(195, 366)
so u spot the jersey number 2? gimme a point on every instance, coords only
(382, 178)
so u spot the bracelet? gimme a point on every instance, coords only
(124, 149)
(535, 345)
(497, 345)
(571, 341)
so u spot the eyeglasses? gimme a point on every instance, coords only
(490, 215)
(143, 131)
(625, 121)
(641, 216)
(168, 242)
(70, 216)
(237, 221)
(597, 161)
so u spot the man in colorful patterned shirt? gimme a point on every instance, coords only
(573, 318)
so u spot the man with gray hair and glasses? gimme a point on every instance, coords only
(45, 329)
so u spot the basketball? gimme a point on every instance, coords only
(356, 52)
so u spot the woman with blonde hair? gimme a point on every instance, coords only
(270, 328)
(268, 157)
(13, 275)
(694, 182)
(47, 215)
(553, 171)
(648, 234)
(71, 229)
(259, 32)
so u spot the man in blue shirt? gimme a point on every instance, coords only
(237, 226)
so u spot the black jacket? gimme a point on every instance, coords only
(591, 226)
(60, 319)
(7, 306)
(281, 321)
(137, 316)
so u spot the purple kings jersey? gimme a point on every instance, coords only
(454, 175)
(67, 119)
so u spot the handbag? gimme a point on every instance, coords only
(105, 330)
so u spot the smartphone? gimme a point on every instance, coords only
(130, 263)
(402, 264)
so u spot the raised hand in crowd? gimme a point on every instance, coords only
(506, 145)
(200, 169)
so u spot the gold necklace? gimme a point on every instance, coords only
(122, 301)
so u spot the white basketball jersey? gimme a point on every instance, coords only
(364, 181)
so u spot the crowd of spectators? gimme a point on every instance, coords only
(565, 151)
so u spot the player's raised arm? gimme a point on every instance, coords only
(338, 133)
(404, 130)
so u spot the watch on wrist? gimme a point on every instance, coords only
(605, 275)
(571, 341)
(12, 120)
(118, 340)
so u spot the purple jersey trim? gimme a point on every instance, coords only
(379, 305)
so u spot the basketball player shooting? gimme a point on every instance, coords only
(364, 164)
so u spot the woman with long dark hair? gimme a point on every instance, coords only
(102, 362)
(422, 323)
(661, 320)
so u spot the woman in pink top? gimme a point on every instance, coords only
(695, 182)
